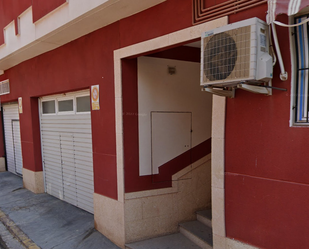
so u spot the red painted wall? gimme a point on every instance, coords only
(174, 15)
(30, 134)
(74, 66)
(266, 164)
(78, 65)
(42, 7)
(208, 4)
(183, 53)
(265, 212)
(144, 26)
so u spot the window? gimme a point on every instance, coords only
(301, 103)
(48, 107)
(83, 104)
(65, 105)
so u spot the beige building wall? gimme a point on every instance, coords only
(33, 181)
(109, 218)
(157, 212)
(151, 213)
(2, 164)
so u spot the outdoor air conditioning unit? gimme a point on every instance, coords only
(235, 54)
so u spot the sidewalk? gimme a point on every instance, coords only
(42, 221)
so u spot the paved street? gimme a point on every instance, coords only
(42, 221)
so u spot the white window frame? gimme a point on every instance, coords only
(66, 96)
(65, 112)
(41, 106)
(294, 120)
(82, 95)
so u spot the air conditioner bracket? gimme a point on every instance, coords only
(255, 88)
(258, 88)
(225, 92)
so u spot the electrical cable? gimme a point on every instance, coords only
(291, 25)
(273, 54)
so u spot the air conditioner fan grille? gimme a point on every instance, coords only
(227, 55)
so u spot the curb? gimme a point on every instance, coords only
(17, 232)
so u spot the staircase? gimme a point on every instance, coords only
(192, 235)
(199, 231)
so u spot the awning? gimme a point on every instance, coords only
(289, 7)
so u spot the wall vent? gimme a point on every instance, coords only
(4, 87)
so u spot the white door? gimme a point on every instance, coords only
(67, 148)
(17, 147)
(68, 167)
(12, 138)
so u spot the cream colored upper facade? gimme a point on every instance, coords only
(68, 22)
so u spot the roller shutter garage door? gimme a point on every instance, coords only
(67, 148)
(12, 138)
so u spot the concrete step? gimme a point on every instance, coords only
(172, 241)
(197, 232)
(205, 217)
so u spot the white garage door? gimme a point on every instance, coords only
(12, 138)
(67, 148)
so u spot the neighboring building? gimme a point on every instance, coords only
(102, 107)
